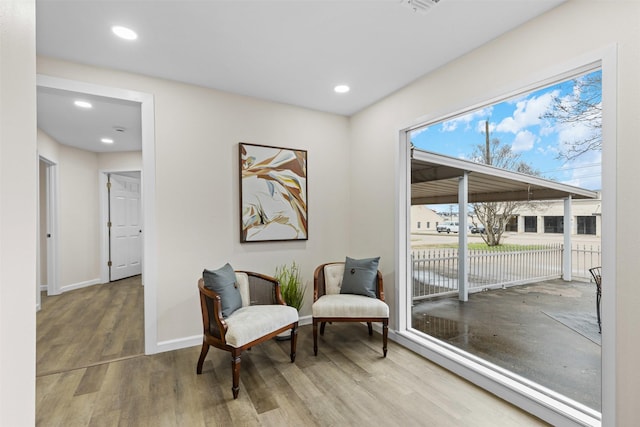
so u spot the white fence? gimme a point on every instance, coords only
(435, 271)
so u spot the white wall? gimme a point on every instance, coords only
(197, 207)
(120, 161)
(78, 217)
(565, 33)
(18, 212)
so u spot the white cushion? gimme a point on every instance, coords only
(255, 321)
(242, 279)
(347, 305)
(333, 274)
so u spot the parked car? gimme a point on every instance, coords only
(476, 229)
(447, 227)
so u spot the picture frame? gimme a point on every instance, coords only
(273, 193)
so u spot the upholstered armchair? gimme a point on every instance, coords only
(333, 303)
(260, 316)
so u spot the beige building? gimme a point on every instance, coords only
(548, 217)
(424, 219)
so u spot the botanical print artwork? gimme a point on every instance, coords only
(273, 192)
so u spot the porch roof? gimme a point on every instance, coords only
(434, 180)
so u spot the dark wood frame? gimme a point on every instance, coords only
(319, 290)
(304, 196)
(215, 327)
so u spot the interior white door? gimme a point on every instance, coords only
(126, 230)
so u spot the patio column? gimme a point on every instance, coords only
(463, 252)
(566, 253)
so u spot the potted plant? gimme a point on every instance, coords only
(291, 285)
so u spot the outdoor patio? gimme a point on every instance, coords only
(546, 332)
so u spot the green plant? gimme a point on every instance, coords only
(291, 285)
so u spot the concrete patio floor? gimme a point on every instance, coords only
(546, 332)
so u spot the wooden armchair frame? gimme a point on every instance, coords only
(319, 289)
(215, 327)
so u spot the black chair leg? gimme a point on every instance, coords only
(315, 337)
(598, 297)
(235, 369)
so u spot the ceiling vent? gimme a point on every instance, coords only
(420, 6)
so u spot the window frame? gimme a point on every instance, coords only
(538, 400)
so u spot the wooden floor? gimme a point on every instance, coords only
(90, 326)
(347, 384)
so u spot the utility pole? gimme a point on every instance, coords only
(488, 152)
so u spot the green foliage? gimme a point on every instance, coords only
(291, 285)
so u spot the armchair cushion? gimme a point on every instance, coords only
(223, 282)
(360, 276)
(333, 275)
(250, 323)
(346, 305)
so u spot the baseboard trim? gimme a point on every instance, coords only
(179, 343)
(79, 285)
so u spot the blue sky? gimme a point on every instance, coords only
(518, 123)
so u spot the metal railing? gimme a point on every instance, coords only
(435, 271)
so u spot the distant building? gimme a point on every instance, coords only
(424, 219)
(548, 217)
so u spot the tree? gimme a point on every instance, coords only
(494, 216)
(583, 107)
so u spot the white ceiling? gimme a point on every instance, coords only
(286, 51)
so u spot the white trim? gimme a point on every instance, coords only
(535, 399)
(305, 320)
(179, 343)
(80, 285)
(549, 406)
(609, 232)
(53, 285)
(149, 238)
(149, 269)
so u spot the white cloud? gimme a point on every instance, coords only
(527, 113)
(549, 149)
(480, 126)
(523, 141)
(465, 121)
(569, 134)
(585, 171)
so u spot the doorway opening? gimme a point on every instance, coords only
(147, 259)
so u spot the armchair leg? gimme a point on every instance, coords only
(294, 339)
(385, 333)
(322, 325)
(235, 368)
(370, 328)
(315, 337)
(203, 355)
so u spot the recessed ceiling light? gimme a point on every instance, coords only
(82, 104)
(124, 32)
(107, 140)
(342, 89)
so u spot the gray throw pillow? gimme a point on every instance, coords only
(223, 282)
(360, 277)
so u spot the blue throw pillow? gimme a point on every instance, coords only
(223, 282)
(360, 277)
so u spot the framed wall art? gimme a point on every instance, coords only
(273, 193)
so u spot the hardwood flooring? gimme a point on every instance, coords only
(347, 384)
(90, 326)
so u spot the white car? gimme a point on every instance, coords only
(447, 227)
